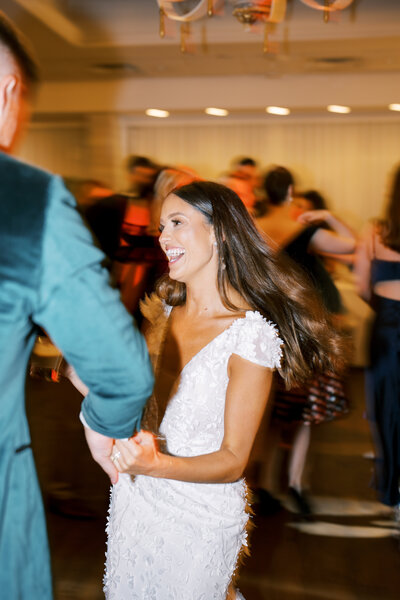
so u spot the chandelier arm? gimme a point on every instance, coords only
(329, 5)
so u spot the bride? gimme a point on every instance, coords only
(177, 528)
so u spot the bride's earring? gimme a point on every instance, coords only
(223, 266)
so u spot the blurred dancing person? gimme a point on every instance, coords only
(50, 276)
(244, 179)
(301, 241)
(378, 274)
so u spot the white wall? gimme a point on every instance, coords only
(57, 147)
(88, 148)
(347, 159)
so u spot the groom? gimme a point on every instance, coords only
(51, 276)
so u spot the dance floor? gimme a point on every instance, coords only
(350, 550)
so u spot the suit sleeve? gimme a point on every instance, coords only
(84, 317)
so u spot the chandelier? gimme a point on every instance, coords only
(188, 10)
(250, 12)
(259, 11)
(185, 11)
(247, 12)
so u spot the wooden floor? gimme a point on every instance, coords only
(349, 551)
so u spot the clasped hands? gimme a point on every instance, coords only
(137, 456)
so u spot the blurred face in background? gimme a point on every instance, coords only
(251, 174)
(243, 189)
(141, 179)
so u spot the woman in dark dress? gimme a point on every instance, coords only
(302, 241)
(378, 273)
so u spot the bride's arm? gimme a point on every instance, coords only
(71, 374)
(246, 398)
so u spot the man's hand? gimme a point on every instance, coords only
(101, 447)
(139, 455)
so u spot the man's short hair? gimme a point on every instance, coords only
(276, 184)
(139, 161)
(246, 161)
(12, 39)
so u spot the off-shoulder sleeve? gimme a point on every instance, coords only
(258, 341)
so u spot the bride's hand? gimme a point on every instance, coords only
(137, 456)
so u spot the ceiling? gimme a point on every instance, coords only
(91, 40)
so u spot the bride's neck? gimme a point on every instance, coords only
(208, 302)
(203, 301)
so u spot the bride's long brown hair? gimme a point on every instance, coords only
(270, 284)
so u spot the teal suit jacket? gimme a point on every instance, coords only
(51, 276)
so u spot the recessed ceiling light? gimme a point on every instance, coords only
(156, 112)
(394, 107)
(338, 108)
(335, 60)
(115, 68)
(277, 110)
(216, 112)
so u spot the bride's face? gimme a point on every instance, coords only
(187, 240)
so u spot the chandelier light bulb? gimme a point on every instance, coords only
(395, 107)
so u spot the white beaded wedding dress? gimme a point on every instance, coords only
(174, 540)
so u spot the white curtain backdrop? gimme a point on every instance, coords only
(349, 162)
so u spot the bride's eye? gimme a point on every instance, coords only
(160, 228)
(176, 222)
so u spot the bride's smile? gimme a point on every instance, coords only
(174, 254)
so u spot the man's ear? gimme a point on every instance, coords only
(8, 87)
(9, 110)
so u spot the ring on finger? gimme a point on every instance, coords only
(116, 456)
